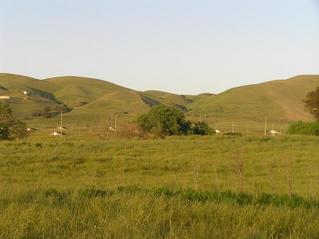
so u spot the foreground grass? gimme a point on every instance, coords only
(128, 213)
(187, 187)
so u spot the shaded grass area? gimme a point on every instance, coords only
(132, 212)
(186, 195)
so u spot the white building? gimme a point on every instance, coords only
(4, 97)
(55, 133)
(274, 132)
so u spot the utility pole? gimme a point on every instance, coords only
(115, 122)
(265, 129)
(61, 125)
(233, 127)
(200, 117)
(111, 120)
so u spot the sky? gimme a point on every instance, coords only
(180, 46)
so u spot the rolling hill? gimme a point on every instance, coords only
(276, 100)
(39, 94)
(93, 100)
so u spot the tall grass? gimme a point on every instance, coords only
(304, 128)
(180, 187)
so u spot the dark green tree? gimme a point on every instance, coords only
(312, 103)
(18, 130)
(4, 131)
(5, 113)
(202, 128)
(10, 128)
(163, 121)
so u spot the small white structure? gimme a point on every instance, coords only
(25, 92)
(4, 97)
(112, 129)
(55, 134)
(29, 129)
(218, 131)
(274, 132)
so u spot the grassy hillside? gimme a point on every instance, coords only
(159, 97)
(279, 100)
(39, 94)
(75, 91)
(93, 100)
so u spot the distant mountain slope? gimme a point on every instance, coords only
(280, 99)
(19, 82)
(93, 99)
(153, 97)
(74, 90)
(38, 95)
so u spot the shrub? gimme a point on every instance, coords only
(163, 121)
(312, 103)
(304, 128)
(202, 128)
(10, 128)
(45, 112)
(4, 131)
(48, 112)
(5, 113)
(17, 129)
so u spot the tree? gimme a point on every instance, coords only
(18, 129)
(4, 131)
(5, 113)
(10, 128)
(202, 128)
(312, 103)
(163, 121)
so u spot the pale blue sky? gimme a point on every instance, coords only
(182, 46)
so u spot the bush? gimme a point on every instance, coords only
(17, 129)
(45, 112)
(10, 128)
(202, 128)
(304, 128)
(4, 131)
(48, 112)
(163, 121)
(5, 113)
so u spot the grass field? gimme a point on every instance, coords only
(180, 187)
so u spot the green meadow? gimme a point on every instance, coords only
(95, 183)
(178, 187)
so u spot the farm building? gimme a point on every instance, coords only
(274, 133)
(55, 133)
(4, 97)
